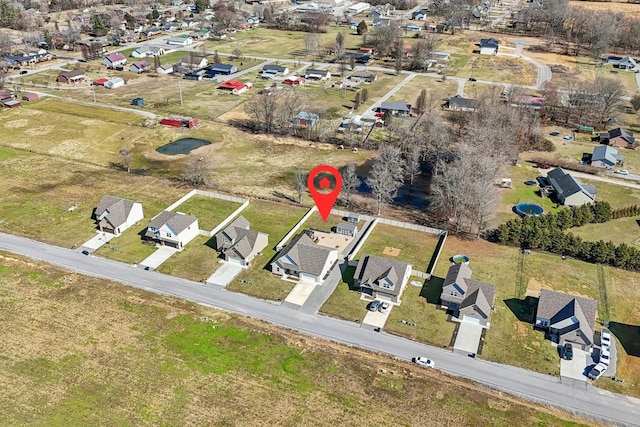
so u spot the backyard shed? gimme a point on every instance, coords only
(29, 97)
(180, 122)
(346, 229)
(114, 83)
(138, 102)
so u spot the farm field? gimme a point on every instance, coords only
(122, 356)
(435, 87)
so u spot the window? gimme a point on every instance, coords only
(169, 235)
(454, 293)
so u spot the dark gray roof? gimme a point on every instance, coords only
(489, 42)
(479, 299)
(566, 185)
(274, 67)
(308, 257)
(345, 226)
(396, 106)
(362, 74)
(243, 239)
(625, 134)
(373, 271)
(176, 221)
(460, 102)
(114, 210)
(607, 154)
(559, 306)
(315, 71)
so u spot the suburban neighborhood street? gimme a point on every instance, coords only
(589, 402)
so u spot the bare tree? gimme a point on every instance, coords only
(421, 102)
(273, 112)
(422, 52)
(300, 183)
(386, 175)
(383, 37)
(339, 45)
(126, 156)
(350, 183)
(365, 95)
(311, 43)
(413, 165)
(357, 101)
(635, 103)
(197, 171)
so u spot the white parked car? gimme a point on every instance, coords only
(597, 371)
(384, 307)
(423, 361)
(622, 172)
(605, 338)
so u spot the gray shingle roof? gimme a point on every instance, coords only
(626, 135)
(460, 102)
(565, 184)
(309, 257)
(395, 106)
(559, 306)
(479, 299)
(176, 221)
(456, 277)
(113, 210)
(605, 154)
(489, 42)
(274, 67)
(373, 270)
(243, 240)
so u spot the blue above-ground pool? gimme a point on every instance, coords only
(460, 259)
(527, 209)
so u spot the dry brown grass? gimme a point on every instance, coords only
(615, 6)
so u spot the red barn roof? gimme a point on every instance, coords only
(231, 84)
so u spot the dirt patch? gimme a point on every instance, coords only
(535, 285)
(520, 330)
(40, 130)
(628, 9)
(15, 124)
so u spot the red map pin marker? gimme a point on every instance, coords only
(328, 180)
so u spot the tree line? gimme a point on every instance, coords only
(548, 232)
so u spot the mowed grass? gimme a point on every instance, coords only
(345, 302)
(130, 246)
(90, 112)
(210, 211)
(276, 220)
(197, 261)
(36, 192)
(120, 356)
(435, 87)
(416, 248)
(623, 230)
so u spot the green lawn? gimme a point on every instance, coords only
(129, 247)
(209, 210)
(623, 230)
(345, 302)
(416, 247)
(7, 153)
(276, 220)
(197, 261)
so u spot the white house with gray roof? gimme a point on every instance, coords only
(238, 244)
(605, 156)
(305, 260)
(114, 214)
(569, 191)
(173, 229)
(382, 277)
(567, 318)
(469, 300)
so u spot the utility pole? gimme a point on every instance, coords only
(93, 89)
(180, 90)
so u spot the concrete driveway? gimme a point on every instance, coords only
(299, 294)
(468, 338)
(576, 368)
(375, 319)
(156, 259)
(224, 274)
(96, 242)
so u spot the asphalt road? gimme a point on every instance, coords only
(590, 402)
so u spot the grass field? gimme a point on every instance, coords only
(197, 261)
(129, 246)
(623, 230)
(209, 211)
(275, 220)
(345, 302)
(435, 87)
(87, 351)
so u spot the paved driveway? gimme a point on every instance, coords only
(300, 293)
(96, 242)
(375, 319)
(224, 274)
(468, 338)
(156, 259)
(577, 367)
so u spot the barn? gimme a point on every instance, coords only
(30, 97)
(180, 122)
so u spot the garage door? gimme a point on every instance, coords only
(234, 260)
(471, 319)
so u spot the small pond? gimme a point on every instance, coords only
(182, 146)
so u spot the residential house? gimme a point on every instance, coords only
(312, 74)
(358, 8)
(114, 60)
(180, 41)
(469, 300)
(146, 51)
(458, 103)
(73, 76)
(568, 190)
(382, 277)
(481, 10)
(194, 61)
(419, 15)
(238, 244)
(140, 67)
(165, 69)
(361, 58)
(605, 156)
(114, 83)
(489, 46)
(618, 137)
(272, 70)
(381, 22)
(306, 119)
(626, 63)
(353, 124)
(201, 34)
(363, 76)
(305, 260)
(173, 229)
(114, 214)
(150, 32)
(395, 108)
(413, 27)
(527, 101)
(441, 56)
(224, 68)
(236, 87)
(347, 229)
(567, 318)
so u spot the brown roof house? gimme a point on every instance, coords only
(567, 318)
(305, 260)
(114, 215)
(382, 277)
(73, 76)
(238, 244)
(173, 229)
(618, 137)
(470, 300)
